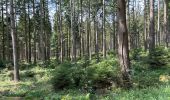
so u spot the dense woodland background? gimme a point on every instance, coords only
(87, 45)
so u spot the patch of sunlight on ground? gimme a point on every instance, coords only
(164, 78)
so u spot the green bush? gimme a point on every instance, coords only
(159, 57)
(137, 54)
(85, 76)
(29, 74)
(62, 78)
(2, 65)
(102, 74)
(5, 64)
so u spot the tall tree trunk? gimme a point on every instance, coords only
(115, 31)
(14, 44)
(25, 32)
(145, 26)
(81, 29)
(96, 35)
(60, 32)
(88, 32)
(104, 32)
(8, 33)
(29, 36)
(79, 26)
(166, 21)
(72, 5)
(3, 34)
(123, 51)
(152, 27)
(34, 32)
(48, 44)
(42, 52)
(158, 27)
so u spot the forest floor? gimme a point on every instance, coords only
(35, 84)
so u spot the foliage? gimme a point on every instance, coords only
(148, 84)
(2, 65)
(102, 74)
(159, 57)
(82, 75)
(6, 64)
(138, 54)
(62, 78)
(86, 80)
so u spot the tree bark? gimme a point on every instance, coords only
(42, 44)
(14, 44)
(145, 26)
(152, 27)
(72, 5)
(3, 34)
(123, 51)
(166, 22)
(158, 26)
(88, 32)
(103, 31)
(60, 32)
(34, 31)
(29, 35)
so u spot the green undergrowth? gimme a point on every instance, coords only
(82, 78)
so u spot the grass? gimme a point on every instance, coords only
(35, 84)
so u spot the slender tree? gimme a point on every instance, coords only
(152, 27)
(72, 5)
(88, 32)
(29, 34)
(158, 23)
(42, 52)
(104, 33)
(60, 32)
(14, 40)
(3, 32)
(165, 24)
(145, 25)
(34, 32)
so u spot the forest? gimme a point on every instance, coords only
(84, 50)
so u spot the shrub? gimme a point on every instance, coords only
(6, 64)
(29, 74)
(85, 76)
(102, 74)
(137, 54)
(62, 78)
(158, 57)
(2, 65)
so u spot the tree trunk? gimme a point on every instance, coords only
(3, 34)
(88, 32)
(42, 52)
(123, 51)
(72, 5)
(96, 35)
(104, 32)
(166, 21)
(8, 51)
(29, 36)
(81, 29)
(158, 24)
(152, 27)
(60, 32)
(25, 32)
(34, 32)
(14, 40)
(145, 26)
